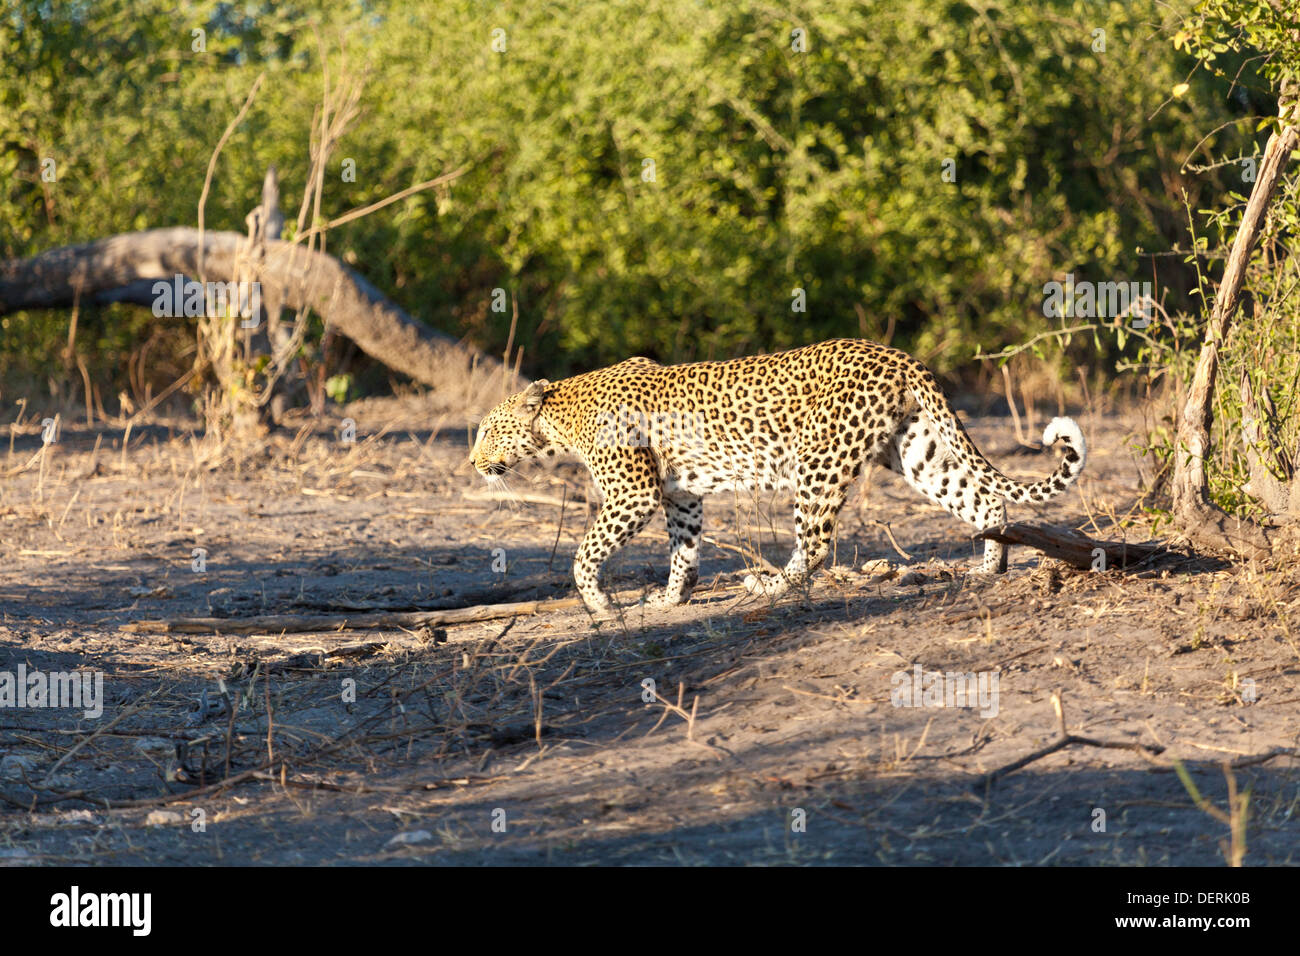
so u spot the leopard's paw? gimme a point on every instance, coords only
(664, 598)
(767, 584)
(601, 606)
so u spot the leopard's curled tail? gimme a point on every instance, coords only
(939, 410)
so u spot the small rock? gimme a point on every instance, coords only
(409, 837)
(163, 818)
(911, 577)
(424, 634)
(203, 708)
(881, 567)
(155, 745)
(68, 818)
(161, 591)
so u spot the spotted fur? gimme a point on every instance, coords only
(806, 420)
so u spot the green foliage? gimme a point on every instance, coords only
(337, 388)
(1264, 343)
(774, 168)
(1268, 27)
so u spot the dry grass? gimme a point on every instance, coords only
(321, 747)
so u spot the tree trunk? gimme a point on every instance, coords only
(1202, 521)
(125, 268)
(1265, 457)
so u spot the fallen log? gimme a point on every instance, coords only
(125, 268)
(1074, 547)
(299, 623)
(518, 589)
(293, 623)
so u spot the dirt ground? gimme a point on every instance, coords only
(529, 739)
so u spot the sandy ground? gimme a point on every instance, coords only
(540, 739)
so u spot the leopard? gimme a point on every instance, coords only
(806, 420)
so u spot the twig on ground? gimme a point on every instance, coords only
(82, 743)
(1066, 739)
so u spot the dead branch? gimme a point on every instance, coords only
(1254, 760)
(1074, 547)
(1066, 739)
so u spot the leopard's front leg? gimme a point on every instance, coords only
(632, 493)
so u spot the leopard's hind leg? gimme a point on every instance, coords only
(920, 456)
(685, 513)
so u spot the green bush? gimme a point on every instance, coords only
(1263, 344)
(774, 169)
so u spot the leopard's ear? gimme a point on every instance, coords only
(531, 402)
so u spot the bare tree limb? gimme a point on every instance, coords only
(1074, 547)
(126, 266)
(1200, 520)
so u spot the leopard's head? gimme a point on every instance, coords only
(509, 432)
